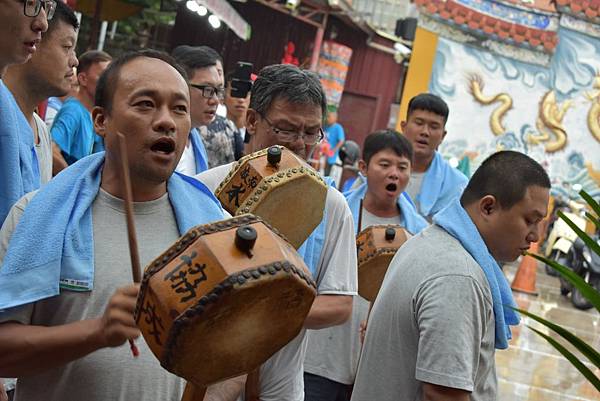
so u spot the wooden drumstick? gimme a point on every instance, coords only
(193, 393)
(133, 248)
(360, 210)
(252, 389)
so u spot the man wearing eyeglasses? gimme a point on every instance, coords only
(205, 148)
(286, 108)
(21, 26)
(45, 74)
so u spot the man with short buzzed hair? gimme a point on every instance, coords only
(445, 305)
(66, 310)
(433, 182)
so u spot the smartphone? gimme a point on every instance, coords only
(240, 81)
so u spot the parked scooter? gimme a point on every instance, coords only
(561, 236)
(586, 263)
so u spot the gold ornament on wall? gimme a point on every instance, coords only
(549, 123)
(593, 117)
(475, 86)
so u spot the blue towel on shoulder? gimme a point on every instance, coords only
(19, 167)
(200, 155)
(58, 220)
(411, 220)
(441, 184)
(455, 220)
(311, 249)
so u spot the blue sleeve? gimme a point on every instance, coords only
(341, 136)
(63, 130)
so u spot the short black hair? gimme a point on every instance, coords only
(428, 102)
(506, 175)
(212, 52)
(62, 13)
(288, 82)
(91, 57)
(107, 84)
(193, 58)
(386, 139)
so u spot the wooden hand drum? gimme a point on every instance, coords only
(376, 247)
(278, 186)
(223, 299)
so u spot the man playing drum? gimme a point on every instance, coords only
(66, 298)
(286, 108)
(445, 304)
(332, 355)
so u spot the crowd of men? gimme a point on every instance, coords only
(66, 298)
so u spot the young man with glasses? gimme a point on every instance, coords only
(21, 26)
(205, 91)
(286, 108)
(46, 74)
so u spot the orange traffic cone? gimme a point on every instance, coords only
(524, 280)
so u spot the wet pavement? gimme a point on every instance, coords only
(531, 369)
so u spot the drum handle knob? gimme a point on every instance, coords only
(274, 155)
(390, 234)
(245, 238)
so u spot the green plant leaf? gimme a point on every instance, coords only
(580, 233)
(590, 201)
(586, 290)
(577, 342)
(589, 375)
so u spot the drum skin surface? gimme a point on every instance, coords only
(210, 311)
(289, 195)
(375, 253)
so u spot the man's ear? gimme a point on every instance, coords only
(402, 125)
(488, 206)
(362, 166)
(82, 79)
(251, 121)
(99, 120)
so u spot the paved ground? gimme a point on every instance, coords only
(531, 370)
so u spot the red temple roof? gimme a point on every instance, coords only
(587, 9)
(501, 29)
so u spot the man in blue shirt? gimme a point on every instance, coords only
(73, 130)
(335, 137)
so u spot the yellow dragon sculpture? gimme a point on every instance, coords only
(593, 117)
(476, 89)
(549, 123)
(551, 131)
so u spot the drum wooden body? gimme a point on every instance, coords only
(210, 310)
(285, 192)
(376, 246)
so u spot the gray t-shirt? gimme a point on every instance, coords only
(334, 352)
(432, 321)
(414, 186)
(281, 376)
(43, 150)
(109, 373)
